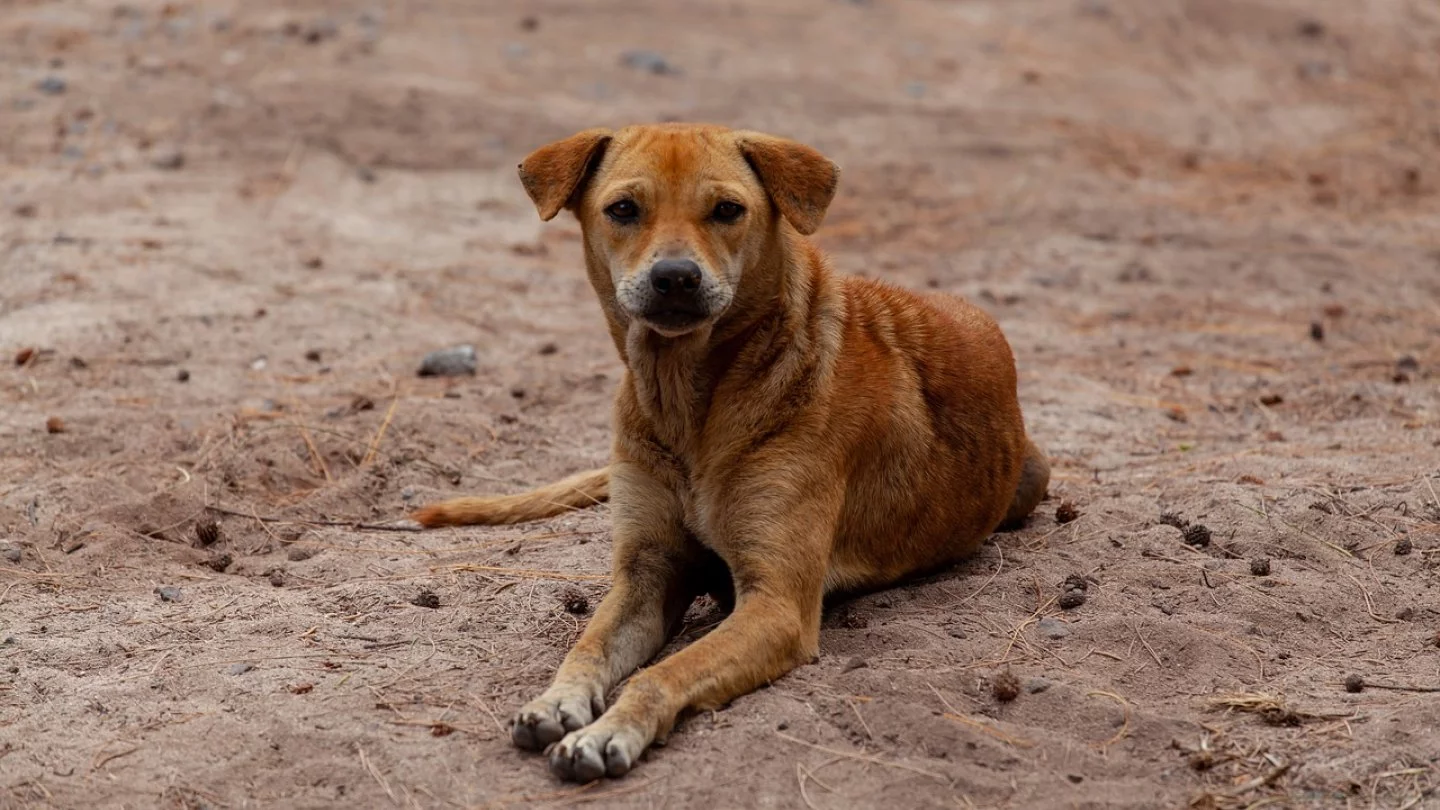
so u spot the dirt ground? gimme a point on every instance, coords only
(229, 232)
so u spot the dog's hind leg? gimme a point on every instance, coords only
(1034, 483)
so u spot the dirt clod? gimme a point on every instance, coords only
(575, 601)
(1172, 519)
(1070, 600)
(1005, 687)
(1260, 566)
(426, 599)
(54, 425)
(207, 532)
(24, 355)
(168, 593)
(1066, 512)
(301, 688)
(219, 563)
(276, 577)
(1197, 535)
(1403, 546)
(853, 664)
(1317, 331)
(1354, 683)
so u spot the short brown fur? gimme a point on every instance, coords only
(814, 433)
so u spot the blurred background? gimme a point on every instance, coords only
(230, 232)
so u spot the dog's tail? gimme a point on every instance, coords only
(579, 491)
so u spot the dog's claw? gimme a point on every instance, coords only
(545, 720)
(591, 753)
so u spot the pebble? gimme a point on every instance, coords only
(1052, 628)
(451, 362)
(13, 554)
(52, 85)
(1260, 567)
(854, 664)
(1037, 685)
(168, 593)
(649, 61)
(1072, 599)
(240, 669)
(169, 158)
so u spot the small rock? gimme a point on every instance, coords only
(301, 553)
(314, 263)
(1260, 566)
(13, 554)
(451, 362)
(1405, 614)
(240, 669)
(1076, 582)
(649, 61)
(25, 355)
(54, 425)
(549, 348)
(168, 593)
(219, 563)
(1005, 687)
(1403, 546)
(1070, 600)
(168, 158)
(313, 355)
(854, 664)
(26, 211)
(1408, 363)
(1052, 628)
(426, 599)
(183, 375)
(1317, 331)
(1310, 29)
(1354, 683)
(52, 85)
(276, 577)
(1037, 685)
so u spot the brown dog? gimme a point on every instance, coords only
(782, 432)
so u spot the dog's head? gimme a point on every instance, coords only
(678, 214)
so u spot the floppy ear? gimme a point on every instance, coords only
(553, 174)
(800, 181)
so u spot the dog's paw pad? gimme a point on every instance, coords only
(546, 719)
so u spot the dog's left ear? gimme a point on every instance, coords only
(553, 174)
(800, 181)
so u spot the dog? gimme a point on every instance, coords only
(782, 432)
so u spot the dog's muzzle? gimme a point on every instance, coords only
(677, 296)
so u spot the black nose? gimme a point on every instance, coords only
(675, 277)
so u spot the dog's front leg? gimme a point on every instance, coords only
(778, 564)
(653, 585)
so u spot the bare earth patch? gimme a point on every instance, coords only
(229, 233)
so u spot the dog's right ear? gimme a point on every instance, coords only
(553, 174)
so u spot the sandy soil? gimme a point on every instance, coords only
(229, 233)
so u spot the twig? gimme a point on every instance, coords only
(348, 524)
(1370, 603)
(957, 716)
(861, 757)
(1259, 781)
(314, 452)
(1147, 646)
(528, 573)
(380, 434)
(365, 761)
(1124, 727)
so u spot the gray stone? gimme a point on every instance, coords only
(650, 62)
(240, 669)
(168, 593)
(1052, 628)
(13, 554)
(451, 362)
(52, 85)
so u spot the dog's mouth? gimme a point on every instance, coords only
(674, 321)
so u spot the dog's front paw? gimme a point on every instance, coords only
(547, 718)
(603, 749)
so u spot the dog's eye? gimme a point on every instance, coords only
(727, 212)
(624, 211)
